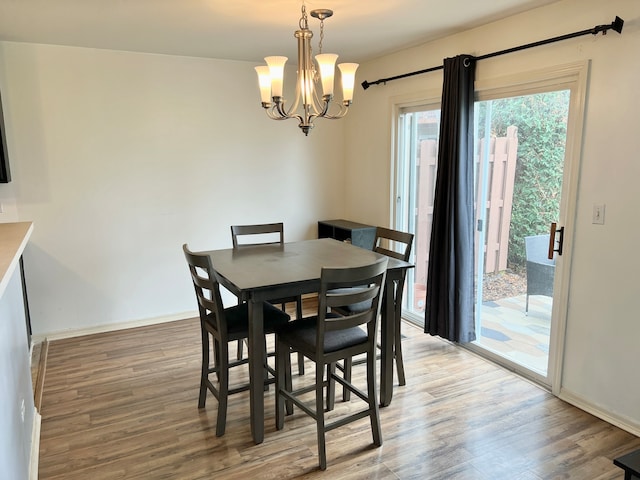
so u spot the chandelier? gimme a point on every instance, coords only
(312, 105)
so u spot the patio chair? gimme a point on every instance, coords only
(540, 270)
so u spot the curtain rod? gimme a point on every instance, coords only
(615, 25)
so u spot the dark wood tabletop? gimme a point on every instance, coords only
(254, 268)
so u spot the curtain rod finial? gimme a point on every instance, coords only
(617, 24)
(365, 85)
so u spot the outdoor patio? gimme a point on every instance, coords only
(523, 338)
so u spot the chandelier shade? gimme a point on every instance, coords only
(315, 80)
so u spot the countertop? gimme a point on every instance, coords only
(13, 239)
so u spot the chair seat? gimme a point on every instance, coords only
(237, 319)
(301, 335)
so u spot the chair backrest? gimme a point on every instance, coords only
(207, 288)
(401, 247)
(335, 292)
(262, 234)
(537, 249)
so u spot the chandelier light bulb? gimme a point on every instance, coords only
(327, 65)
(264, 81)
(348, 74)
(276, 71)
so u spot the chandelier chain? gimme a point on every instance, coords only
(303, 23)
(321, 35)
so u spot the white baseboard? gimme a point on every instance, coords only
(35, 446)
(623, 423)
(113, 327)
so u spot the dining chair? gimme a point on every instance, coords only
(328, 337)
(265, 234)
(395, 244)
(223, 325)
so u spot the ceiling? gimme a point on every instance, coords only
(245, 29)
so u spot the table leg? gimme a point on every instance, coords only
(386, 342)
(256, 360)
(397, 320)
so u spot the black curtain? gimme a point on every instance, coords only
(450, 292)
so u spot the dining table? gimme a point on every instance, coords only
(258, 273)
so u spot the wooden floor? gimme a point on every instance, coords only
(123, 405)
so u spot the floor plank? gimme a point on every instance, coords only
(124, 405)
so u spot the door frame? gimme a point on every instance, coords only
(572, 77)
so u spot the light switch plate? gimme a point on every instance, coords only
(598, 215)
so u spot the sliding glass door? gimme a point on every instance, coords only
(526, 155)
(521, 143)
(416, 174)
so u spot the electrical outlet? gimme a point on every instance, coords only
(598, 215)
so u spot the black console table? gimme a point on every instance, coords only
(358, 234)
(630, 463)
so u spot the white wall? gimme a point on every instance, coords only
(16, 391)
(119, 158)
(601, 351)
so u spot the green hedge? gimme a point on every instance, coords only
(541, 120)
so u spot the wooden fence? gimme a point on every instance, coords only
(498, 168)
